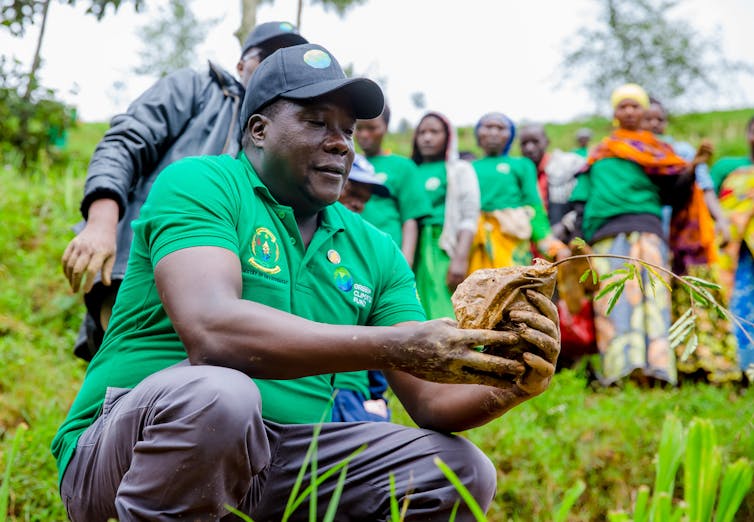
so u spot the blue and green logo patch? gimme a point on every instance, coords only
(317, 58)
(343, 279)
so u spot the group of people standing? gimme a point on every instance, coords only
(244, 265)
(637, 193)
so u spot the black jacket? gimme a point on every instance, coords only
(184, 114)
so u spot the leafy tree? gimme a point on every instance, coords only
(339, 6)
(419, 100)
(31, 117)
(17, 15)
(28, 126)
(636, 41)
(249, 12)
(170, 39)
(248, 18)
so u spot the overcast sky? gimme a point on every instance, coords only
(467, 57)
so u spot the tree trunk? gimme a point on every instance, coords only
(37, 58)
(299, 10)
(248, 19)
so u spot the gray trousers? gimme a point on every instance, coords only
(189, 439)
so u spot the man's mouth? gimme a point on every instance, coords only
(333, 170)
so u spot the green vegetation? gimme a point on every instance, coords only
(606, 438)
(726, 129)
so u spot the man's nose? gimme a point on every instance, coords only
(338, 142)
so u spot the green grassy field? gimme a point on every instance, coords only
(607, 438)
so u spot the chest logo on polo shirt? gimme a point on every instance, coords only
(343, 279)
(503, 168)
(432, 183)
(265, 251)
(361, 295)
(382, 176)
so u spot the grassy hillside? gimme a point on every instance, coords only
(605, 437)
(725, 128)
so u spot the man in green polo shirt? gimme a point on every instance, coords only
(247, 289)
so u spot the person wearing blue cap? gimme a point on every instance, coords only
(248, 289)
(184, 114)
(361, 395)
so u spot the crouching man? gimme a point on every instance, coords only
(237, 309)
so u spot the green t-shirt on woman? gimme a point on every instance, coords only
(506, 182)
(434, 179)
(613, 187)
(725, 166)
(407, 198)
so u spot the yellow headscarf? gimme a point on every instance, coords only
(630, 91)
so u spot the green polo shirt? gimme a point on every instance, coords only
(350, 274)
(434, 178)
(407, 199)
(506, 182)
(613, 187)
(725, 166)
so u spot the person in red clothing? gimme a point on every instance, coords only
(556, 174)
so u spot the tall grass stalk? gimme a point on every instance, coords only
(701, 471)
(466, 495)
(5, 487)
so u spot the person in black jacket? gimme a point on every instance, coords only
(184, 114)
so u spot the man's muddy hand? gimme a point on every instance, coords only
(539, 326)
(438, 351)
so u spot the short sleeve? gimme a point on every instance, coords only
(398, 300)
(412, 198)
(194, 202)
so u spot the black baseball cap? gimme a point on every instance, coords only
(307, 71)
(269, 34)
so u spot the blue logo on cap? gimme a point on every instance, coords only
(285, 26)
(317, 59)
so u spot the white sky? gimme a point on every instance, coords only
(468, 57)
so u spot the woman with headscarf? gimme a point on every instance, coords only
(513, 215)
(714, 359)
(630, 175)
(450, 183)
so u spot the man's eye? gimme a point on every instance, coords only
(316, 123)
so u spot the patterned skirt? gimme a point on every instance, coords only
(633, 338)
(715, 356)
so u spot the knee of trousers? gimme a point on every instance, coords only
(221, 407)
(473, 467)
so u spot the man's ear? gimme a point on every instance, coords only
(256, 128)
(239, 67)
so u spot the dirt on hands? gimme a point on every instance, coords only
(486, 299)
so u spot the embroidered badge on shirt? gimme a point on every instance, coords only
(265, 251)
